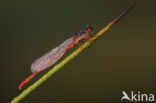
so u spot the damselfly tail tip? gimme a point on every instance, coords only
(20, 86)
(25, 81)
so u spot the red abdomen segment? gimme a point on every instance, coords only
(25, 81)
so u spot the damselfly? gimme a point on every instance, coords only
(55, 54)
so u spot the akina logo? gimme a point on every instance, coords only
(137, 96)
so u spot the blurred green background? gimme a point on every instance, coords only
(123, 59)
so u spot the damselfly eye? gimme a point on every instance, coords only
(89, 29)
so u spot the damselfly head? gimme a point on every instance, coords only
(89, 29)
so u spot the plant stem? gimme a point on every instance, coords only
(67, 59)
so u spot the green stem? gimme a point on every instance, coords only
(67, 59)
